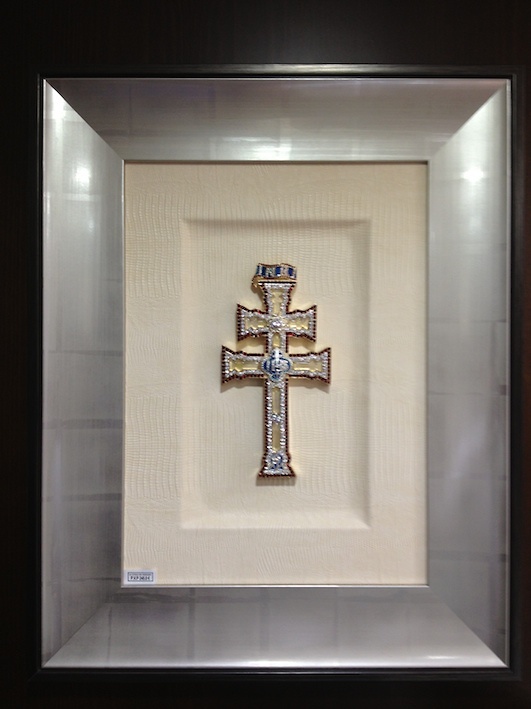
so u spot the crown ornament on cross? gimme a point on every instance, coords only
(276, 366)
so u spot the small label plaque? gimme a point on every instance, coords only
(139, 577)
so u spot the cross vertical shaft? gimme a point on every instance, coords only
(276, 323)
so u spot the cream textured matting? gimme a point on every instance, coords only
(194, 511)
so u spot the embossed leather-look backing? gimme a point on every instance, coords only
(194, 511)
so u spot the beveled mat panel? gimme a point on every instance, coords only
(193, 510)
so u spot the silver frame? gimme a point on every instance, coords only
(461, 126)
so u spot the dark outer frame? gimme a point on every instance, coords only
(484, 33)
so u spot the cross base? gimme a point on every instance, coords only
(277, 474)
(276, 465)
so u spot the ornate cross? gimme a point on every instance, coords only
(276, 323)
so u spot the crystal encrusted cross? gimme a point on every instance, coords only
(276, 324)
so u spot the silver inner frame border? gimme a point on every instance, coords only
(461, 127)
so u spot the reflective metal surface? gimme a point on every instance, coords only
(460, 621)
(277, 629)
(82, 371)
(276, 119)
(468, 373)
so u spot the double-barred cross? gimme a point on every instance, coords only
(276, 366)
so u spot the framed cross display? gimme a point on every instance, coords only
(206, 540)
